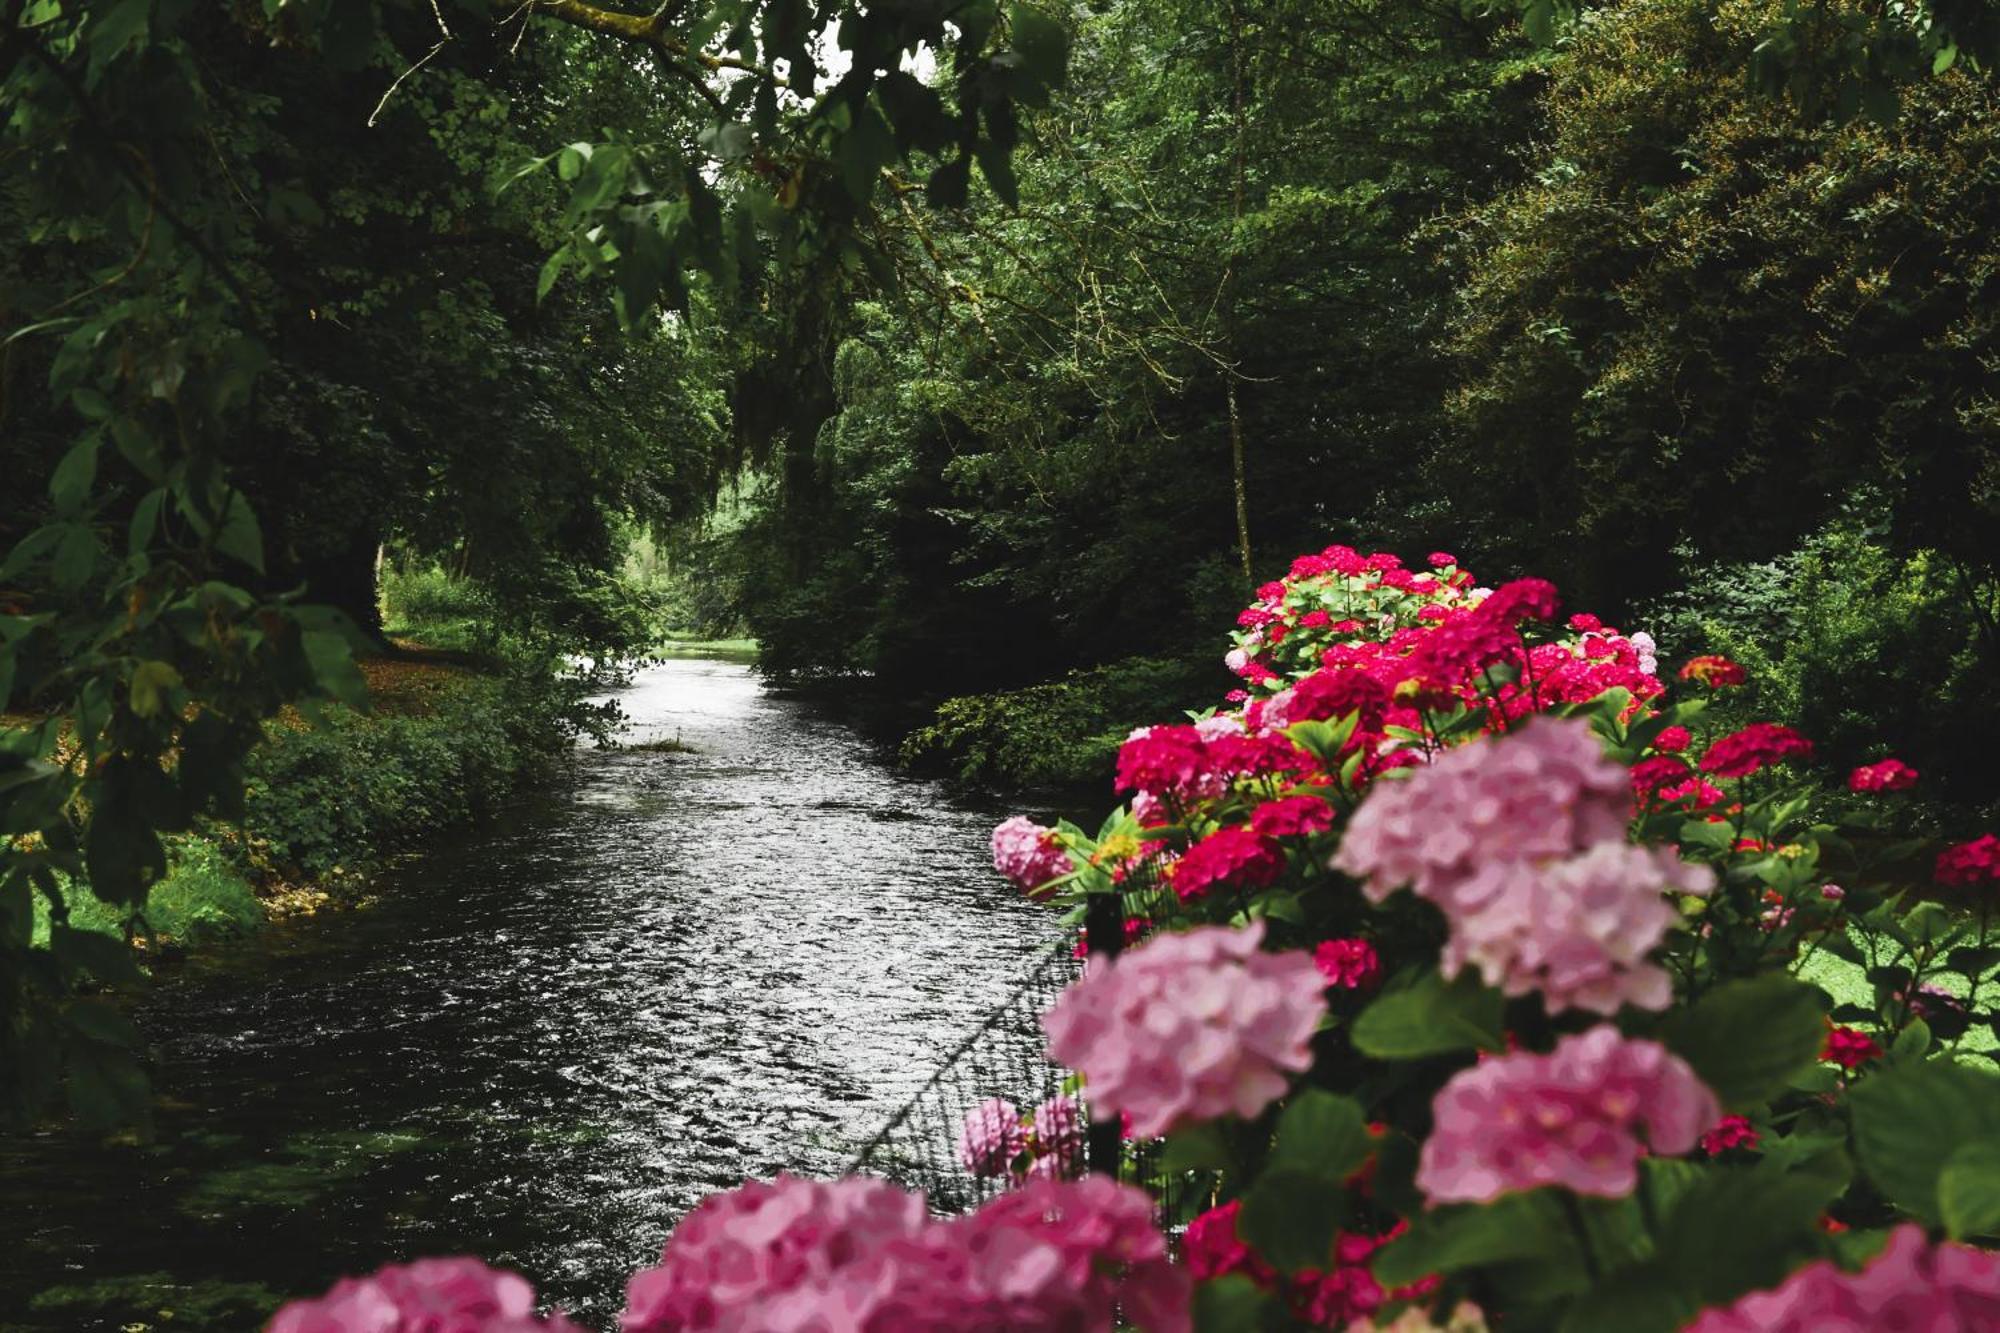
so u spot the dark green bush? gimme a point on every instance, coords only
(1061, 734)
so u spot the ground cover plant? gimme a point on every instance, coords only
(1464, 976)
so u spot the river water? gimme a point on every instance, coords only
(547, 1039)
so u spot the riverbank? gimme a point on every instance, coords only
(447, 737)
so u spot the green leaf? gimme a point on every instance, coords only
(1321, 1134)
(70, 485)
(1042, 43)
(948, 184)
(332, 663)
(1290, 1217)
(995, 163)
(1910, 1122)
(1196, 1148)
(105, 957)
(107, 1088)
(145, 520)
(1749, 1039)
(1969, 1191)
(864, 151)
(153, 685)
(1235, 1304)
(238, 535)
(1448, 1240)
(1740, 1228)
(1431, 1017)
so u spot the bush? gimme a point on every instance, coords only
(204, 897)
(1861, 647)
(1059, 734)
(357, 788)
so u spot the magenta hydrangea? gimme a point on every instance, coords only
(990, 1138)
(450, 1295)
(863, 1256)
(1029, 854)
(1189, 1027)
(1545, 790)
(1579, 1117)
(1911, 1284)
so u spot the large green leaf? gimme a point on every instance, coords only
(1290, 1217)
(1321, 1134)
(1911, 1122)
(1431, 1017)
(1969, 1191)
(1448, 1240)
(1749, 1039)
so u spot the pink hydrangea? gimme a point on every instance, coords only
(1546, 790)
(1573, 1118)
(863, 1256)
(1029, 854)
(454, 1295)
(1883, 775)
(991, 1138)
(1059, 1139)
(1850, 1048)
(1349, 964)
(1972, 862)
(1911, 1284)
(1579, 929)
(1069, 1254)
(1189, 1027)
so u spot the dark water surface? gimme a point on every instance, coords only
(547, 1040)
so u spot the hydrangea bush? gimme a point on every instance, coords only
(1472, 980)
(1577, 1069)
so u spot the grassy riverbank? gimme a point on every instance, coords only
(448, 735)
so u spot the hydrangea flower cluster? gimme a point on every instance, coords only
(1520, 841)
(1029, 854)
(1232, 855)
(1911, 1284)
(450, 1295)
(862, 1255)
(1350, 964)
(1975, 862)
(1571, 1118)
(1189, 1027)
(990, 1138)
(1755, 747)
(1343, 1295)
(1883, 775)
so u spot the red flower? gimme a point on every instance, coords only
(1742, 753)
(1227, 856)
(1887, 775)
(1650, 775)
(1335, 692)
(1351, 964)
(1713, 671)
(1521, 599)
(1292, 817)
(1315, 620)
(1673, 740)
(1849, 1048)
(1969, 862)
(1442, 558)
(1733, 1131)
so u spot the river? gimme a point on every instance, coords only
(547, 1039)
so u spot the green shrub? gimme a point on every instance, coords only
(1865, 650)
(1063, 733)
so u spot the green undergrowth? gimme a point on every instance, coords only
(204, 897)
(1063, 733)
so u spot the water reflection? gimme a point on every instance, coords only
(548, 1040)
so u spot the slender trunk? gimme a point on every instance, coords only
(1236, 470)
